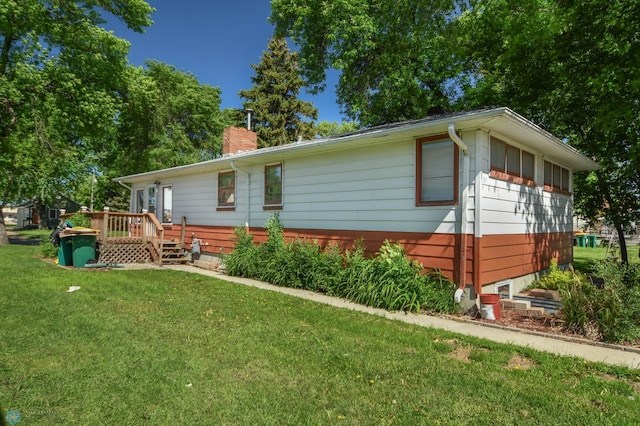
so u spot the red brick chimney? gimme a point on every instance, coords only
(236, 139)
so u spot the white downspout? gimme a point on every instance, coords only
(463, 210)
(235, 169)
(131, 194)
(126, 186)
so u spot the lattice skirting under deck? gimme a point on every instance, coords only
(124, 253)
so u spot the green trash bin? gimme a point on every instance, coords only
(84, 249)
(582, 240)
(592, 240)
(65, 252)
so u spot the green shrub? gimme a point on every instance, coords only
(47, 248)
(619, 316)
(611, 313)
(440, 292)
(356, 268)
(557, 279)
(325, 268)
(80, 219)
(618, 274)
(392, 281)
(580, 304)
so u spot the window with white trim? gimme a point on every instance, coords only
(167, 204)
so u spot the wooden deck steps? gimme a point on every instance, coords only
(173, 252)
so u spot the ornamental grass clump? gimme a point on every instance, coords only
(390, 281)
(241, 262)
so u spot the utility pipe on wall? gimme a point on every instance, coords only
(463, 209)
(236, 169)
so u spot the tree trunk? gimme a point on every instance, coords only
(623, 245)
(4, 238)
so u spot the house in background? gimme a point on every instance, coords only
(33, 214)
(9, 214)
(484, 196)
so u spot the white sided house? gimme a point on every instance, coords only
(484, 196)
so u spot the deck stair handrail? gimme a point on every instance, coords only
(119, 228)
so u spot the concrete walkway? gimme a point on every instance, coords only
(590, 351)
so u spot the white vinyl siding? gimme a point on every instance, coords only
(511, 208)
(374, 189)
(369, 189)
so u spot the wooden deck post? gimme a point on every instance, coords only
(143, 226)
(105, 225)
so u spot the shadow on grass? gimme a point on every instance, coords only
(25, 240)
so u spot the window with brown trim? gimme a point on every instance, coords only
(273, 186)
(227, 189)
(556, 177)
(436, 171)
(510, 161)
(528, 165)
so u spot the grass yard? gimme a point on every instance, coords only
(584, 257)
(165, 347)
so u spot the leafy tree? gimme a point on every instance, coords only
(278, 113)
(167, 119)
(59, 76)
(394, 57)
(570, 66)
(326, 128)
(573, 67)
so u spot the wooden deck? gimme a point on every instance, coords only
(134, 238)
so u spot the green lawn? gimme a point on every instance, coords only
(165, 347)
(584, 257)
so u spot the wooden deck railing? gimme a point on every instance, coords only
(121, 228)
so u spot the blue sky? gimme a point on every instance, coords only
(217, 41)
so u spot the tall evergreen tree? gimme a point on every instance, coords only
(279, 115)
